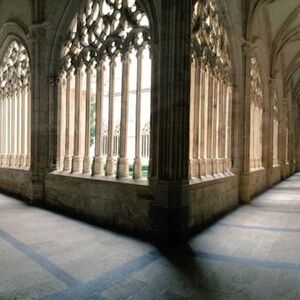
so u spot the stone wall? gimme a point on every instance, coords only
(16, 181)
(211, 199)
(105, 202)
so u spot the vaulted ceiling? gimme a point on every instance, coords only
(284, 19)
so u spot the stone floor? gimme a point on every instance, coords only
(252, 253)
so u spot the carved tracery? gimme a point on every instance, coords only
(15, 106)
(210, 44)
(211, 92)
(108, 45)
(105, 28)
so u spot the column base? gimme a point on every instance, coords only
(77, 164)
(202, 167)
(215, 165)
(209, 167)
(18, 161)
(98, 166)
(23, 161)
(87, 165)
(28, 160)
(109, 166)
(137, 168)
(5, 160)
(122, 167)
(195, 172)
(67, 164)
(13, 160)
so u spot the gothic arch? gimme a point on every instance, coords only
(63, 22)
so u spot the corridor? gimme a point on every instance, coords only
(252, 253)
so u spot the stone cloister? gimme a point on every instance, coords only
(154, 117)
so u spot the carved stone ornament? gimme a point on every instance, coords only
(103, 29)
(210, 44)
(14, 69)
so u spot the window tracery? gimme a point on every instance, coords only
(15, 107)
(108, 54)
(211, 93)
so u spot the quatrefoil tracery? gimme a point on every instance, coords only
(210, 44)
(106, 28)
(14, 69)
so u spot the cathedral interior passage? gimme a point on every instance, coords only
(149, 149)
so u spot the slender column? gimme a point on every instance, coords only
(18, 131)
(6, 110)
(137, 167)
(192, 101)
(13, 129)
(209, 134)
(69, 128)
(220, 128)
(123, 160)
(215, 124)
(229, 94)
(98, 164)
(110, 160)
(1, 128)
(28, 156)
(58, 85)
(203, 122)
(23, 128)
(5, 129)
(87, 159)
(196, 120)
(10, 129)
(77, 163)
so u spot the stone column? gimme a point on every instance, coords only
(7, 131)
(23, 128)
(122, 169)
(209, 132)
(170, 208)
(69, 130)
(270, 129)
(137, 165)
(192, 104)
(245, 116)
(87, 159)
(196, 122)
(38, 112)
(204, 120)
(19, 122)
(98, 163)
(1, 129)
(228, 140)
(29, 131)
(110, 159)
(13, 129)
(79, 123)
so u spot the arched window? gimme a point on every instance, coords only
(105, 87)
(211, 93)
(275, 129)
(256, 98)
(15, 105)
